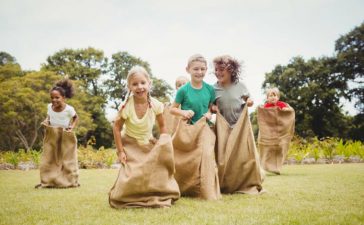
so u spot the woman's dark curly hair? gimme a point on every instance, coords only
(232, 65)
(64, 87)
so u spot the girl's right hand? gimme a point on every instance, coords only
(187, 114)
(122, 157)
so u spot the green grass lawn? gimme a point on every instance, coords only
(312, 194)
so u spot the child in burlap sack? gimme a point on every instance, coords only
(276, 120)
(193, 140)
(146, 178)
(237, 156)
(59, 165)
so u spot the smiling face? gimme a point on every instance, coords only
(197, 70)
(57, 99)
(272, 97)
(139, 85)
(222, 74)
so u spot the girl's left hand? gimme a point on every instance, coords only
(249, 102)
(69, 128)
(208, 115)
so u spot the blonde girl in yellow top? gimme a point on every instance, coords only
(146, 178)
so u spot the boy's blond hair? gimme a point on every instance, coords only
(196, 58)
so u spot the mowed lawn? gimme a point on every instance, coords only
(303, 194)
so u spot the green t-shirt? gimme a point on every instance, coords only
(197, 100)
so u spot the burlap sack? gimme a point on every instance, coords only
(171, 121)
(196, 171)
(237, 156)
(147, 178)
(276, 129)
(59, 165)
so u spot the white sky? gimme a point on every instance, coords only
(262, 33)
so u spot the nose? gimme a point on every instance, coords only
(140, 86)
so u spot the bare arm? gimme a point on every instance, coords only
(185, 114)
(73, 123)
(161, 123)
(118, 125)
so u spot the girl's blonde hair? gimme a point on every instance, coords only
(137, 70)
(196, 58)
(274, 90)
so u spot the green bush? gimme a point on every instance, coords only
(299, 149)
(325, 148)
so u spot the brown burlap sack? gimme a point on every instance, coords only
(146, 180)
(196, 171)
(171, 121)
(276, 129)
(237, 156)
(59, 165)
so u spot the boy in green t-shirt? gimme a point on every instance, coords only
(196, 96)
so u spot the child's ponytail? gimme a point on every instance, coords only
(127, 99)
(65, 88)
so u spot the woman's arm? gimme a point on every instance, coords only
(118, 124)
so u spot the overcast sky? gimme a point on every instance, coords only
(262, 33)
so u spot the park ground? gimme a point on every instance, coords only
(302, 194)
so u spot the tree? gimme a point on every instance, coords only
(161, 89)
(87, 66)
(23, 103)
(8, 67)
(350, 63)
(120, 64)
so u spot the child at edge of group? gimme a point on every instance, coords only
(231, 93)
(60, 114)
(196, 96)
(139, 112)
(272, 100)
(58, 165)
(180, 81)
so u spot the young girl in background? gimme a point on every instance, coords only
(237, 156)
(171, 120)
(59, 166)
(196, 171)
(146, 179)
(180, 81)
